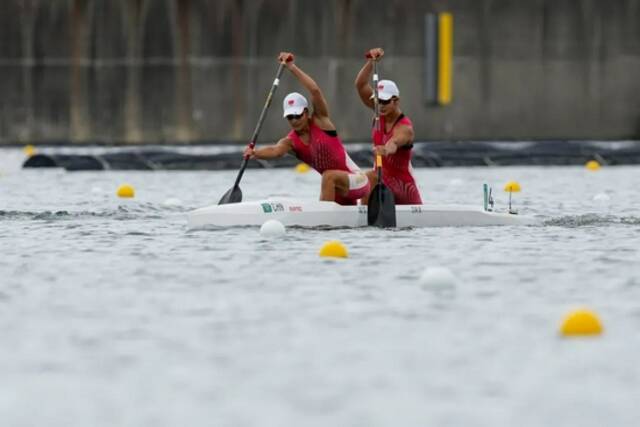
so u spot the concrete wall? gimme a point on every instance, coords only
(199, 70)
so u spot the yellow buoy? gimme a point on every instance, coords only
(512, 187)
(581, 322)
(29, 150)
(334, 248)
(302, 168)
(126, 191)
(592, 165)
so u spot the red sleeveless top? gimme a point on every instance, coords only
(397, 172)
(324, 150)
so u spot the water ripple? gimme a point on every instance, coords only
(120, 213)
(590, 220)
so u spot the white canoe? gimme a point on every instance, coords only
(314, 213)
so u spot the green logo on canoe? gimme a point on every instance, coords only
(266, 207)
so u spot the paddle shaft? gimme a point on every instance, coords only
(263, 115)
(381, 211)
(376, 109)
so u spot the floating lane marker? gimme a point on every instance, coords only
(272, 228)
(592, 165)
(334, 249)
(302, 168)
(126, 191)
(29, 150)
(581, 322)
(438, 278)
(172, 202)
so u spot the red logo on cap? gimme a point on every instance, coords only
(380, 86)
(291, 102)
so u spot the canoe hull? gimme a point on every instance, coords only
(313, 213)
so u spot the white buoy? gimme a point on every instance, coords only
(438, 277)
(272, 228)
(456, 182)
(172, 201)
(96, 190)
(601, 197)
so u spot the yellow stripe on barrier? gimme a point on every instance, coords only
(445, 57)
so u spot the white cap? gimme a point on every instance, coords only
(387, 89)
(294, 103)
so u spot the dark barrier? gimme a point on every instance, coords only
(426, 154)
(69, 162)
(148, 160)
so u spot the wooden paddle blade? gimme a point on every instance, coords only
(234, 195)
(381, 211)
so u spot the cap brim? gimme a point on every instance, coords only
(383, 96)
(293, 110)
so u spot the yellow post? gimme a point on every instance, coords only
(445, 57)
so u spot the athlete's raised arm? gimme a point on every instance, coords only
(364, 76)
(320, 107)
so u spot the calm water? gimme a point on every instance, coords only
(113, 313)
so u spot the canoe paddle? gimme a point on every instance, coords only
(381, 210)
(234, 195)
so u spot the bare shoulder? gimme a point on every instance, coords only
(404, 127)
(403, 132)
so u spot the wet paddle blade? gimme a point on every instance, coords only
(381, 211)
(234, 195)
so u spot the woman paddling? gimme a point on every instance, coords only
(313, 139)
(395, 141)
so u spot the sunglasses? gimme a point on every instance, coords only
(294, 116)
(384, 101)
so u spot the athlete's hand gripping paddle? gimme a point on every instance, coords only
(234, 195)
(381, 211)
